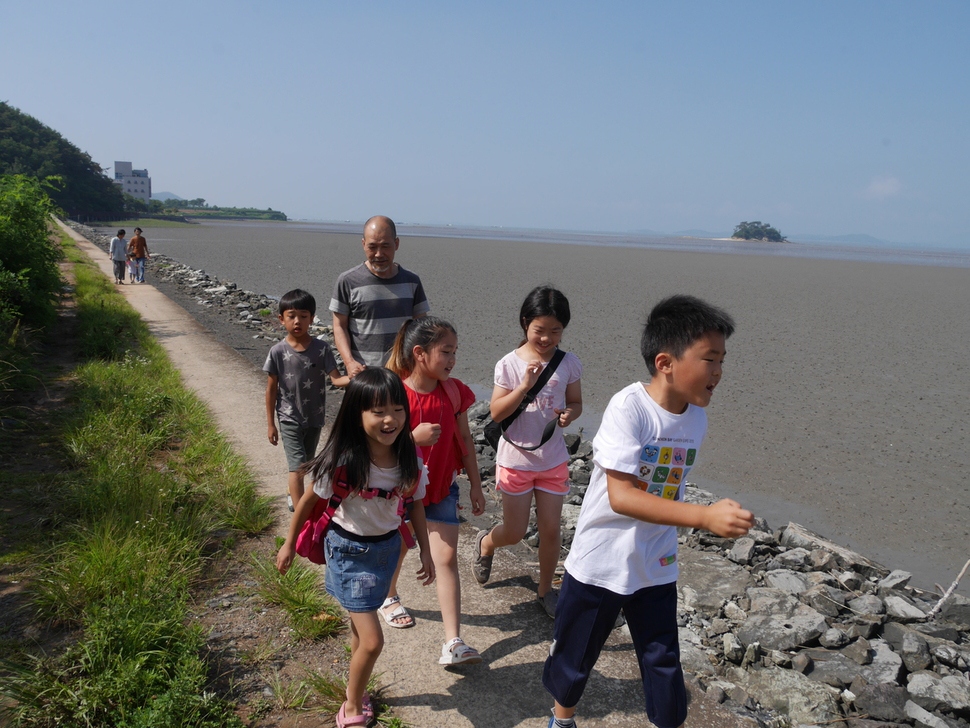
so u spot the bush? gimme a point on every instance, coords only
(758, 230)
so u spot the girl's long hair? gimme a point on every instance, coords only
(347, 443)
(424, 332)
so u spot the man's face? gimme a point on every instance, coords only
(379, 249)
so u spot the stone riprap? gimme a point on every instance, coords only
(783, 626)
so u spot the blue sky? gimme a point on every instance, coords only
(823, 117)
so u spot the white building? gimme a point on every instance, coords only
(134, 182)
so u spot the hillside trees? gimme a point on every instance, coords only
(758, 230)
(28, 147)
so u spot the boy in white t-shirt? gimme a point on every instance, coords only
(624, 553)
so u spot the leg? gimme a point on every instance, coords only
(393, 600)
(443, 538)
(366, 643)
(548, 519)
(294, 485)
(516, 510)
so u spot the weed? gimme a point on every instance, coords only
(289, 695)
(313, 615)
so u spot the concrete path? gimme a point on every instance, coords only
(502, 620)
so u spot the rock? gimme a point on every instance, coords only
(923, 718)
(951, 655)
(778, 624)
(950, 694)
(883, 702)
(797, 536)
(801, 663)
(867, 604)
(885, 665)
(797, 559)
(832, 668)
(822, 560)
(859, 651)
(956, 609)
(901, 610)
(787, 580)
(824, 599)
(833, 638)
(791, 693)
(732, 649)
(897, 579)
(915, 652)
(570, 516)
(733, 612)
(850, 580)
(717, 579)
(742, 551)
(572, 441)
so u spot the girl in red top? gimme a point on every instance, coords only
(423, 356)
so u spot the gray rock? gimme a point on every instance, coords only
(951, 655)
(859, 651)
(787, 580)
(796, 536)
(733, 612)
(956, 609)
(801, 662)
(867, 604)
(915, 652)
(883, 702)
(897, 579)
(851, 580)
(570, 516)
(833, 638)
(822, 560)
(824, 599)
(950, 694)
(832, 668)
(791, 693)
(901, 610)
(693, 658)
(743, 551)
(923, 718)
(885, 666)
(716, 579)
(732, 649)
(797, 558)
(791, 625)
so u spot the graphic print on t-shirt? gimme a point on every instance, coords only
(663, 469)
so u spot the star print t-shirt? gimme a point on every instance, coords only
(641, 438)
(301, 397)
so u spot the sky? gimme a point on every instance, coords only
(825, 118)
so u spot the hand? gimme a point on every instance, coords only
(426, 434)
(728, 519)
(274, 435)
(532, 371)
(426, 573)
(354, 368)
(565, 416)
(284, 558)
(478, 500)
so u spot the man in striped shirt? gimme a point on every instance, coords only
(372, 300)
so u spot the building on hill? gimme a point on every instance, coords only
(134, 182)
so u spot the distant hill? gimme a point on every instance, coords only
(166, 196)
(30, 148)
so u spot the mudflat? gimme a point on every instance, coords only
(843, 403)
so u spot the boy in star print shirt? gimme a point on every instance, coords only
(297, 369)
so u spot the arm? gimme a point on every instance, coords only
(301, 514)
(506, 401)
(725, 518)
(470, 463)
(426, 573)
(426, 434)
(272, 390)
(341, 339)
(337, 379)
(574, 404)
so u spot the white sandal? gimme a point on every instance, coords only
(399, 612)
(457, 652)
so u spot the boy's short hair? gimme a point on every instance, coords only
(677, 322)
(121, 233)
(298, 299)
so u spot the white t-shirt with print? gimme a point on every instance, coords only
(372, 516)
(640, 437)
(528, 426)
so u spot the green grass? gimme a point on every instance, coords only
(146, 222)
(313, 614)
(149, 489)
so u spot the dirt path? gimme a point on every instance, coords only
(502, 621)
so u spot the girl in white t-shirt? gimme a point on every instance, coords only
(527, 466)
(371, 452)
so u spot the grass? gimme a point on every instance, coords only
(149, 489)
(146, 222)
(313, 614)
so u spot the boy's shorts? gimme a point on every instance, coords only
(585, 616)
(519, 482)
(299, 444)
(446, 510)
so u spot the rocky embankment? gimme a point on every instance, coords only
(783, 626)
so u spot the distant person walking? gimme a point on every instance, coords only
(118, 252)
(372, 301)
(138, 248)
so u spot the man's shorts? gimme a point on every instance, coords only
(446, 510)
(519, 482)
(299, 443)
(585, 616)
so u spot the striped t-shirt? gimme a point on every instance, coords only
(376, 308)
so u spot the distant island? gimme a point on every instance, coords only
(758, 230)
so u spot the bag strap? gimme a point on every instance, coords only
(451, 389)
(533, 392)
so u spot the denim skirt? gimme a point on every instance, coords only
(359, 568)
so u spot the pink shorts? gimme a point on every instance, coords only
(519, 482)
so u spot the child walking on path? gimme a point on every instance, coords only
(296, 387)
(117, 251)
(370, 451)
(526, 462)
(424, 355)
(624, 553)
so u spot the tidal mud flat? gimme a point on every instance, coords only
(843, 403)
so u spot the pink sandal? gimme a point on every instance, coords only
(344, 722)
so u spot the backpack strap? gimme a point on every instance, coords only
(402, 510)
(451, 389)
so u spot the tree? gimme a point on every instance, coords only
(758, 230)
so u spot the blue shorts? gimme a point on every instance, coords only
(299, 444)
(444, 511)
(359, 572)
(585, 616)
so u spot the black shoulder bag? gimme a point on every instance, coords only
(496, 430)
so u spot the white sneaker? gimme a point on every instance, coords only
(289, 502)
(457, 652)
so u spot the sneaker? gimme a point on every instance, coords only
(549, 602)
(552, 723)
(481, 565)
(457, 652)
(289, 502)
